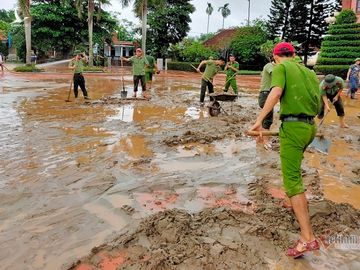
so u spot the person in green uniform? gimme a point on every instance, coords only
(297, 88)
(231, 68)
(150, 70)
(77, 64)
(331, 88)
(265, 87)
(139, 63)
(212, 68)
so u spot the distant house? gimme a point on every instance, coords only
(221, 40)
(118, 48)
(354, 5)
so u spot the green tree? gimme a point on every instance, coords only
(225, 12)
(196, 52)
(278, 24)
(169, 25)
(92, 5)
(209, 11)
(247, 42)
(7, 15)
(298, 19)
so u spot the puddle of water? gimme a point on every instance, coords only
(135, 146)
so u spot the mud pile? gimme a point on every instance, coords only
(216, 238)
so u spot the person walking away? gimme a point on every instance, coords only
(265, 88)
(231, 68)
(211, 69)
(331, 88)
(297, 88)
(353, 78)
(150, 70)
(139, 63)
(77, 64)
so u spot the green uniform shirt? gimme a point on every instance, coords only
(266, 77)
(151, 61)
(138, 64)
(230, 72)
(332, 89)
(79, 65)
(210, 70)
(300, 86)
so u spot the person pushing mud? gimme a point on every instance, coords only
(231, 68)
(331, 88)
(212, 68)
(77, 64)
(139, 63)
(297, 88)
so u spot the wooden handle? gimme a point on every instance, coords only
(272, 133)
(264, 133)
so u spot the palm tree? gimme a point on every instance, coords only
(141, 10)
(24, 6)
(225, 11)
(209, 11)
(91, 11)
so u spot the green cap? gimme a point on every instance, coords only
(329, 80)
(357, 59)
(76, 52)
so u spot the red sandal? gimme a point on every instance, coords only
(294, 253)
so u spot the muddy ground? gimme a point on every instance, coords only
(113, 184)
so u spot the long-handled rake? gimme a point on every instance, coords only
(68, 98)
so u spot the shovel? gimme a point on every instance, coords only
(68, 98)
(123, 92)
(320, 143)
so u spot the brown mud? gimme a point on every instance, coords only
(159, 184)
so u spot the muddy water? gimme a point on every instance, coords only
(75, 174)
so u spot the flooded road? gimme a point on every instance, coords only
(76, 175)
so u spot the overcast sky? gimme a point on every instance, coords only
(259, 8)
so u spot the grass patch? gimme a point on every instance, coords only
(26, 68)
(93, 69)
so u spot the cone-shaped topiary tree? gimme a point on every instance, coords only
(341, 46)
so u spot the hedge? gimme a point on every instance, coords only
(343, 26)
(337, 70)
(26, 68)
(328, 49)
(342, 54)
(335, 61)
(183, 66)
(349, 37)
(186, 66)
(341, 43)
(344, 31)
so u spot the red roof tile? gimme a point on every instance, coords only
(221, 39)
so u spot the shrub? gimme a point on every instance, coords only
(346, 16)
(341, 43)
(196, 52)
(327, 49)
(342, 37)
(342, 31)
(337, 70)
(26, 68)
(342, 54)
(335, 61)
(183, 66)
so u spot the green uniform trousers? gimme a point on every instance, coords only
(294, 139)
(231, 82)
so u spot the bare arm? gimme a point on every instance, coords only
(125, 59)
(200, 65)
(71, 64)
(348, 74)
(271, 101)
(326, 103)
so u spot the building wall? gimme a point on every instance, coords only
(352, 4)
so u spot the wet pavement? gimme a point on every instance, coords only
(75, 175)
